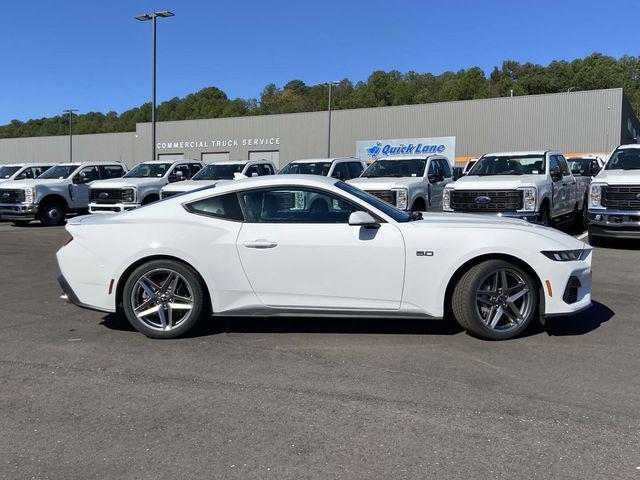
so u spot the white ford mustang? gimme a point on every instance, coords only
(309, 245)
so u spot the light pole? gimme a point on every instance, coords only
(143, 18)
(329, 125)
(70, 111)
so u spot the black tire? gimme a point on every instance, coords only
(150, 199)
(544, 218)
(21, 223)
(419, 206)
(594, 240)
(468, 314)
(52, 213)
(580, 215)
(145, 325)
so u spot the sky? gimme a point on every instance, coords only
(92, 55)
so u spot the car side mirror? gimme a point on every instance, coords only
(80, 179)
(176, 177)
(363, 219)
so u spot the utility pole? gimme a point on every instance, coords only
(70, 111)
(144, 17)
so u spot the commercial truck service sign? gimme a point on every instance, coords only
(371, 149)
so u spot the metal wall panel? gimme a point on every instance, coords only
(571, 122)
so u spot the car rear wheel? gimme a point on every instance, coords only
(52, 214)
(495, 300)
(163, 298)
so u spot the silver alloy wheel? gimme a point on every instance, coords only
(54, 213)
(162, 299)
(503, 300)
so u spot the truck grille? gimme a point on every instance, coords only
(500, 200)
(11, 196)
(621, 197)
(106, 196)
(388, 196)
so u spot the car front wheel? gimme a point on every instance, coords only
(495, 300)
(163, 298)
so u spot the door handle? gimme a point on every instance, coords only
(261, 244)
(565, 184)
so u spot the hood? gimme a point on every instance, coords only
(16, 184)
(188, 185)
(500, 182)
(384, 183)
(618, 177)
(493, 223)
(129, 182)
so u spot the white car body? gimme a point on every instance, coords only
(614, 203)
(341, 168)
(527, 193)
(70, 192)
(128, 193)
(23, 171)
(421, 192)
(321, 269)
(247, 168)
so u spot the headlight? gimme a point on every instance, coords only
(401, 198)
(566, 255)
(595, 199)
(529, 199)
(29, 194)
(446, 200)
(128, 195)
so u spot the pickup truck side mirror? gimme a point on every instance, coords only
(363, 219)
(80, 178)
(555, 174)
(176, 177)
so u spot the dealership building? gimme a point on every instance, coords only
(575, 122)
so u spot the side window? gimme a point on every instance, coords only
(355, 169)
(564, 167)
(295, 205)
(433, 168)
(553, 163)
(32, 172)
(195, 168)
(184, 168)
(252, 171)
(340, 171)
(89, 173)
(445, 167)
(225, 207)
(111, 171)
(265, 169)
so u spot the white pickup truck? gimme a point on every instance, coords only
(342, 168)
(409, 183)
(220, 172)
(140, 186)
(614, 203)
(60, 190)
(22, 171)
(535, 186)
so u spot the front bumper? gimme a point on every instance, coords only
(623, 224)
(528, 216)
(18, 211)
(111, 207)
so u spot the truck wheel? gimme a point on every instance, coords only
(21, 223)
(495, 300)
(163, 298)
(419, 206)
(149, 199)
(544, 217)
(580, 215)
(593, 240)
(52, 213)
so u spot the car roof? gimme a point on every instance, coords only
(331, 159)
(523, 153)
(78, 164)
(630, 145)
(180, 160)
(277, 180)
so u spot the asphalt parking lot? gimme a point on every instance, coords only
(84, 396)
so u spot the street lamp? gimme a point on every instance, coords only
(70, 111)
(329, 125)
(143, 18)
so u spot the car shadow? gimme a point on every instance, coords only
(579, 324)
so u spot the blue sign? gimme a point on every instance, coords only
(372, 149)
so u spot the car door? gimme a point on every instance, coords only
(568, 184)
(436, 180)
(558, 192)
(81, 182)
(298, 250)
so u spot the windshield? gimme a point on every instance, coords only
(145, 170)
(6, 172)
(218, 172)
(393, 212)
(59, 171)
(307, 168)
(411, 167)
(624, 159)
(507, 165)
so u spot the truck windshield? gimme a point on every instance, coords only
(410, 167)
(624, 159)
(508, 165)
(306, 168)
(393, 212)
(59, 171)
(145, 170)
(6, 171)
(218, 172)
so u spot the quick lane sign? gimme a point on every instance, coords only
(371, 149)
